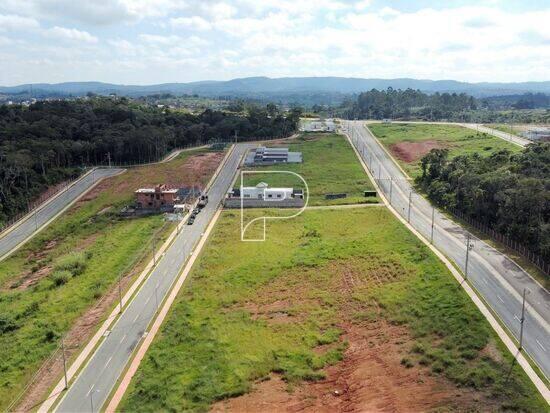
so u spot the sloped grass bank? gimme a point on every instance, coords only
(47, 285)
(251, 309)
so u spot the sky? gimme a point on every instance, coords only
(159, 41)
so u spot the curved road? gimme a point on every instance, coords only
(498, 280)
(35, 221)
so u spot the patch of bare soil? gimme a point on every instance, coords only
(194, 170)
(30, 278)
(75, 340)
(412, 151)
(371, 378)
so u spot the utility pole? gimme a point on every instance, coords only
(109, 159)
(64, 363)
(468, 247)
(433, 217)
(154, 251)
(156, 295)
(120, 291)
(522, 319)
(410, 201)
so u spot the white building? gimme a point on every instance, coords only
(263, 192)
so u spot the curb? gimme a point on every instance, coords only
(508, 342)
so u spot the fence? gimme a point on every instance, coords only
(53, 364)
(37, 203)
(537, 260)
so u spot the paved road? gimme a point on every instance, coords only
(503, 135)
(498, 279)
(13, 239)
(98, 377)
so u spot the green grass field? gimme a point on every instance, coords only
(504, 128)
(459, 141)
(249, 310)
(329, 166)
(54, 278)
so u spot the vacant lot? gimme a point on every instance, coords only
(62, 282)
(408, 143)
(339, 310)
(329, 166)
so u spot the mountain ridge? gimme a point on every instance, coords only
(253, 86)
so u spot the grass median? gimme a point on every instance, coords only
(334, 302)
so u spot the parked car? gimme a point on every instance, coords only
(191, 220)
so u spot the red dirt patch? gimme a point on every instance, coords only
(194, 170)
(371, 378)
(412, 151)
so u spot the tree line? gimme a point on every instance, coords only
(403, 104)
(508, 192)
(48, 142)
(413, 104)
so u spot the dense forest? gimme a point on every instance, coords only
(509, 193)
(394, 104)
(412, 104)
(48, 142)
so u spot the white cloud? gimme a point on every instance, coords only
(71, 34)
(194, 22)
(13, 22)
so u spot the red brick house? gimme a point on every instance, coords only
(159, 197)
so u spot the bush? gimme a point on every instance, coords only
(61, 277)
(7, 324)
(73, 263)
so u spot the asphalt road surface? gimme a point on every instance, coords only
(502, 135)
(96, 380)
(497, 278)
(34, 221)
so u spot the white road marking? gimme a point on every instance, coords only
(485, 281)
(108, 361)
(541, 346)
(122, 339)
(137, 316)
(517, 318)
(500, 298)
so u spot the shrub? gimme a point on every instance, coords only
(61, 277)
(74, 263)
(7, 324)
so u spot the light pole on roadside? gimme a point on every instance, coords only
(92, 391)
(469, 247)
(410, 201)
(433, 218)
(154, 251)
(120, 291)
(525, 291)
(64, 363)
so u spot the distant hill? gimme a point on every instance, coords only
(262, 87)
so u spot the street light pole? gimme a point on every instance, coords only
(467, 255)
(432, 234)
(410, 201)
(64, 364)
(522, 320)
(120, 291)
